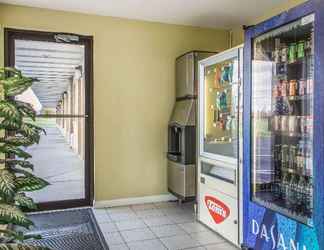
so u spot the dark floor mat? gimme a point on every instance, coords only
(70, 230)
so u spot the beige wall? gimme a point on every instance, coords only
(133, 91)
(237, 32)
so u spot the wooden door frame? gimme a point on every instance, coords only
(9, 61)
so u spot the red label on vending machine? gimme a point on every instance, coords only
(217, 209)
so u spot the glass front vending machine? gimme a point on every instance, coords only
(219, 154)
(284, 131)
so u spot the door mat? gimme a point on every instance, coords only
(67, 230)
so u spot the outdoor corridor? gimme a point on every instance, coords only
(55, 161)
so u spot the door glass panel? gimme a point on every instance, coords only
(59, 159)
(59, 71)
(58, 96)
(221, 108)
(282, 119)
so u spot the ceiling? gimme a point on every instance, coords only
(202, 13)
(53, 64)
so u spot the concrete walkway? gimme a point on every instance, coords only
(55, 161)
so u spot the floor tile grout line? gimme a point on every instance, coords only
(157, 238)
(163, 244)
(218, 243)
(186, 233)
(134, 241)
(133, 230)
(123, 238)
(149, 227)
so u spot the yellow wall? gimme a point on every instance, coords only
(133, 91)
(1, 43)
(237, 32)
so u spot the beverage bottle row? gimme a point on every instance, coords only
(297, 192)
(292, 124)
(297, 158)
(283, 106)
(291, 52)
(292, 88)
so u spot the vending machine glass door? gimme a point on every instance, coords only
(282, 119)
(219, 103)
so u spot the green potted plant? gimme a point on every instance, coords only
(17, 130)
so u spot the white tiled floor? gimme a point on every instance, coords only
(165, 225)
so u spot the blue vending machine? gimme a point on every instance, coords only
(283, 206)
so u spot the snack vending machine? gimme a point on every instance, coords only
(219, 143)
(283, 131)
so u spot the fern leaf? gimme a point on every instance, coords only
(9, 110)
(17, 235)
(15, 177)
(17, 246)
(9, 71)
(9, 149)
(16, 85)
(13, 81)
(17, 141)
(21, 172)
(31, 131)
(12, 214)
(7, 184)
(10, 125)
(26, 109)
(24, 201)
(30, 183)
(23, 164)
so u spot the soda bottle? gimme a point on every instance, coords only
(291, 190)
(295, 190)
(304, 125)
(301, 49)
(301, 194)
(276, 53)
(285, 185)
(292, 156)
(302, 87)
(309, 195)
(278, 86)
(292, 124)
(284, 53)
(292, 87)
(292, 53)
(284, 156)
(308, 159)
(284, 123)
(277, 155)
(284, 88)
(276, 123)
(275, 91)
(300, 158)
